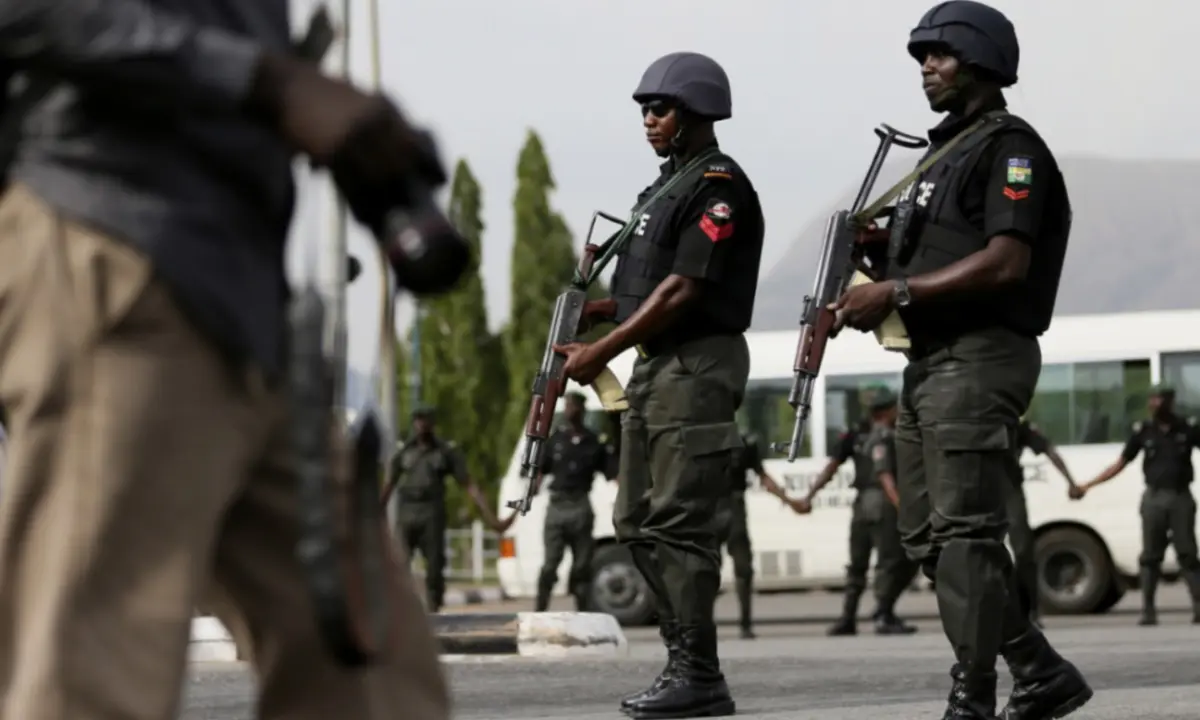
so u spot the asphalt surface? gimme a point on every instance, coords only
(793, 671)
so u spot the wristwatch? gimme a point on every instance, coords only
(900, 294)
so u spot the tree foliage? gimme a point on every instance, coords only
(543, 258)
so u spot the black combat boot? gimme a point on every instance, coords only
(847, 624)
(1148, 578)
(1192, 579)
(972, 695)
(697, 688)
(669, 631)
(887, 623)
(745, 593)
(1045, 686)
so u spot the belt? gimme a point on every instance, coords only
(662, 345)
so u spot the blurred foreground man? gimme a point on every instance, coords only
(976, 252)
(142, 358)
(684, 289)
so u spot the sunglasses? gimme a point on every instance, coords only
(658, 108)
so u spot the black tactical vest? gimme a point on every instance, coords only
(650, 254)
(930, 231)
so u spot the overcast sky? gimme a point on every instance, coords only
(810, 80)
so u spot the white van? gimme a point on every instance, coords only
(1095, 376)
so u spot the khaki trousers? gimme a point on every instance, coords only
(145, 477)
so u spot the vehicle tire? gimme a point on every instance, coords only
(618, 588)
(1074, 572)
(1116, 591)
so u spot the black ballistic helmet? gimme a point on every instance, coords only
(693, 80)
(978, 34)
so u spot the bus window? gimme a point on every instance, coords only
(846, 398)
(766, 413)
(1089, 403)
(1182, 372)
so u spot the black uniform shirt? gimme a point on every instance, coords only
(881, 446)
(852, 444)
(1167, 459)
(720, 238)
(422, 470)
(747, 459)
(574, 458)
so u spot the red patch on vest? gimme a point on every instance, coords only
(1012, 194)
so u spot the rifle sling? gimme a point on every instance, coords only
(616, 244)
(869, 213)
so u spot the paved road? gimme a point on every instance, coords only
(793, 671)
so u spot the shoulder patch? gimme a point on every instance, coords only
(450, 445)
(879, 453)
(717, 223)
(719, 171)
(1137, 426)
(1191, 420)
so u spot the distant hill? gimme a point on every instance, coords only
(1133, 243)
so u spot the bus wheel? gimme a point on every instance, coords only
(1074, 572)
(618, 588)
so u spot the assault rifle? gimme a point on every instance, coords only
(846, 242)
(573, 314)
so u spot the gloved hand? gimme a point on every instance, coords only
(385, 168)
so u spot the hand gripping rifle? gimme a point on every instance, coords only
(344, 544)
(840, 256)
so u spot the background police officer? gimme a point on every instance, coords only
(849, 445)
(734, 530)
(1020, 534)
(418, 472)
(573, 457)
(873, 525)
(685, 291)
(1168, 508)
(977, 248)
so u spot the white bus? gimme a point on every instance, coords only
(1096, 372)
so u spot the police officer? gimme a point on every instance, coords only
(142, 345)
(734, 529)
(418, 472)
(976, 251)
(574, 454)
(873, 522)
(1168, 508)
(684, 290)
(1020, 534)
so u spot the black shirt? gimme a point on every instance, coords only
(573, 458)
(1167, 451)
(720, 233)
(881, 446)
(853, 444)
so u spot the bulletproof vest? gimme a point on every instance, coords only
(929, 231)
(864, 466)
(650, 254)
(1166, 455)
(422, 472)
(573, 463)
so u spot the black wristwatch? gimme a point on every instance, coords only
(900, 294)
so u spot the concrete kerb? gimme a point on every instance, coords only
(531, 634)
(523, 634)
